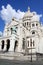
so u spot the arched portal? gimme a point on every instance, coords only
(2, 47)
(16, 45)
(8, 45)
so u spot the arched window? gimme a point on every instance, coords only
(2, 44)
(33, 25)
(11, 30)
(33, 32)
(36, 24)
(28, 43)
(23, 24)
(33, 43)
(27, 23)
(12, 19)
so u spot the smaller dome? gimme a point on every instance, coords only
(34, 13)
(35, 18)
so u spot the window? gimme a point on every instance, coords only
(23, 24)
(33, 25)
(16, 27)
(27, 23)
(11, 30)
(33, 32)
(13, 19)
(36, 24)
(28, 43)
(8, 29)
(15, 31)
(33, 43)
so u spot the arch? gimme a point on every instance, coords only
(2, 47)
(35, 31)
(16, 45)
(8, 45)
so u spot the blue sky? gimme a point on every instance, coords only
(22, 5)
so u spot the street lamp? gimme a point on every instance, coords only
(31, 48)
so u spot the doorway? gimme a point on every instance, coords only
(2, 47)
(15, 46)
(8, 45)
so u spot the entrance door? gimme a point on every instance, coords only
(8, 45)
(16, 45)
(2, 47)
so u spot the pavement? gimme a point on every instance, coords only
(15, 62)
(19, 59)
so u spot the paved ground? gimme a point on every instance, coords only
(12, 62)
(3, 60)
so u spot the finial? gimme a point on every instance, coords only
(28, 8)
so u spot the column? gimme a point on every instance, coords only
(11, 45)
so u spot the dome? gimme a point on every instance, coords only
(35, 18)
(28, 13)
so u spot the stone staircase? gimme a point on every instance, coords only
(16, 56)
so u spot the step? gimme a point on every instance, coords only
(16, 56)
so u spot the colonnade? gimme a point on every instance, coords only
(8, 45)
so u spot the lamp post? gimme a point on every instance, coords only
(31, 48)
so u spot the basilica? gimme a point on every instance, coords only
(24, 35)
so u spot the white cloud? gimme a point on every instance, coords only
(8, 13)
(0, 33)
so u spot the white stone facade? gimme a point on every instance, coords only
(23, 35)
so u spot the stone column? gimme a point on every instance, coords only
(11, 45)
(20, 39)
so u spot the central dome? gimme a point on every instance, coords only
(28, 13)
